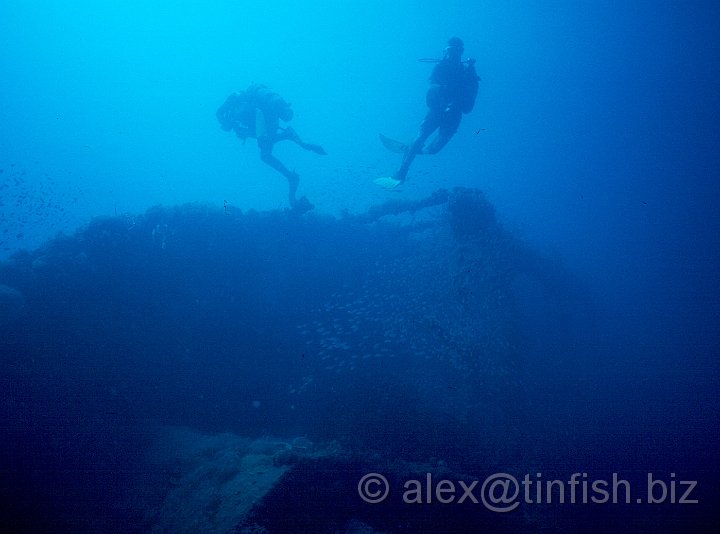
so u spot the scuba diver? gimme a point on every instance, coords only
(452, 92)
(257, 112)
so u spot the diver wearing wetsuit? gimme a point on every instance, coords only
(452, 92)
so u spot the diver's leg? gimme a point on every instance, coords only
(437, 144)
(314, 148)
(448, 126)
(287, 134)
(413, 150)
(291, 135)
(266, 156)
(427, 127)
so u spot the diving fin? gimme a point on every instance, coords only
(303, 205)
(392, 145)
(387, 182)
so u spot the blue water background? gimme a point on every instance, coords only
(595, 136)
